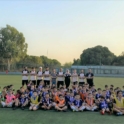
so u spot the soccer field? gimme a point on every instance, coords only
(8, 116)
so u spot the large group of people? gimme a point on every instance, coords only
(55, 91)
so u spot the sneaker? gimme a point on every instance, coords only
(119, 113)
(22, 108)
(102, 112)
(14, 108)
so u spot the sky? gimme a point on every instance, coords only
(62, 29)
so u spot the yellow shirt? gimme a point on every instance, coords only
(34, 101)
(119, 103)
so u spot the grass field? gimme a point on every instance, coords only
(8, 116)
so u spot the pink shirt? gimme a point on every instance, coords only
(9, 98)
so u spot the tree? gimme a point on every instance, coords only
(12, 46)
(67, 65)
(76, 62)
(96, 56)
(52, 63)
(119, 60)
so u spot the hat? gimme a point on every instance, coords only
(40, 67)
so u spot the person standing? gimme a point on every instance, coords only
(89, 77)
(39, 76)
(25, 73)
(33, 76)
(81, 78)
(60, 78)
(67, 78)
(54, 76)
(74, 77)
(47, 76)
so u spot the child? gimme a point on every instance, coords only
(61, 104)
(78, 104)
(103, 106)
(118, 104)
(99, 93)
(46, 102)
(9, 99)
(22, 102)
(34, 101)
(71, 99)
(108, 93)
(123, 91)
(90, 103)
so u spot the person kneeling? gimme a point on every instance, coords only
(35, 101)
(61, 104)
(78, 104)
(46, 103)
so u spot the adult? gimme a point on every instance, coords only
(67, 78)
(33, 76)
(60, 78)
(54, 76)
(81, 78)
(89, 77)
(74, 77)
(39, 76)
(25, 73)
(47, 77)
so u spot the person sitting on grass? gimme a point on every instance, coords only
(9, 99)
(34, 101)
(78, 104)
(21, 102)
(103, 106)
(118, 104)
(70, 99)
(46, 102)
(90, 103)
(61, 104)
(99, 93)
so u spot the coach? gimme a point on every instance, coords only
(89, 77)
(25, 73)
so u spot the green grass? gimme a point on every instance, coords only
(8, 116)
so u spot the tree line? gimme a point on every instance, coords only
(99, 55)
(13, 52)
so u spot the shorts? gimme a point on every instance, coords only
(38, 82)
(54, 82)
(81, 83)
(74, 83)
(34, 82)
(46, 82)
(24, 82)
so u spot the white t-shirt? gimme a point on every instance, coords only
(33, 77)
(60, 78)
(75, 78)
(47, 73)
(81, 75)
(39, 73)
(25, 77)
